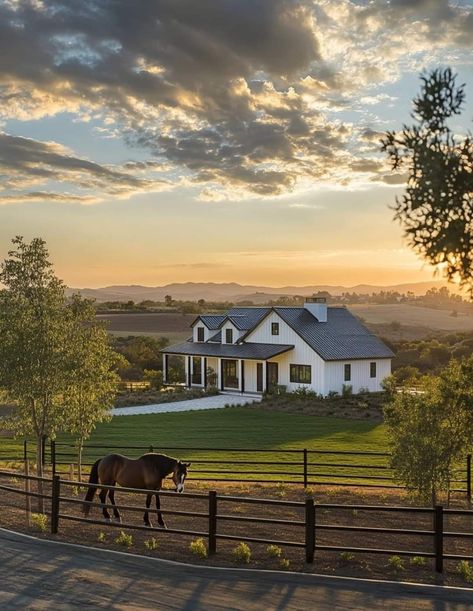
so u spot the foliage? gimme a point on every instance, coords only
(151, 544)
(199, 548)
(155, 378)
(436, 210)
(347, 390)
(141, 352)
(396, 563)
(309, 492)
(124, 539)
(242, 553)
(418, 561)
(101, 537)
(465, 569)
(40, 521)
(274, 551)
(347, 556)
(431, 429)
(284, 563)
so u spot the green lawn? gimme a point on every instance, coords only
(242, 427)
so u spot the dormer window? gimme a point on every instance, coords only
(200, 334)
(229, 336)
(274, 328)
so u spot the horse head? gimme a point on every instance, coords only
(179, 475)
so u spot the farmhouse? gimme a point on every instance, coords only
(251, 350)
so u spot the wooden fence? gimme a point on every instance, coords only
(57, 498)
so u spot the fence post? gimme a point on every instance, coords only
(56, 491)
(212, 522)
(468, 478)
(25, 450)
(309, 530)
(43, 450)
(53, 456)
(151, 449)
(27, 490)
(305, 468)
(438, 538)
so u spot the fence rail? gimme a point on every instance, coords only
(309, 527)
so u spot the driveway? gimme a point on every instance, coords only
(39, 574)
(215, 402)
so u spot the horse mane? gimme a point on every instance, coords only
(163, 462)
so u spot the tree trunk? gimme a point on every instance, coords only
(79, 460)
(39, 471)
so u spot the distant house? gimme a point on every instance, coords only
(252, 349)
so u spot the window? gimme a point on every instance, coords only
(300, 374)
(229, 336)
(347, 376)
(200, 334)
(196, 370)
(274, 328)
(372, 370)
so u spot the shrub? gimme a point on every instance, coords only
(242, 553)
(101, 537)
(274, 551)
(354, 512)
(151, 544)
(309, 492)
(418, 561)
(124, 539)
(347, 390)
(303, 391)
(39, 521)
(284, 563)
(198, 548)
(281, 489)
(465, 569)
(396, 563)
(347, 556)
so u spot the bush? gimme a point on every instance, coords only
(101, 537)
(284, 563)
(274, 551)
(242, 553)
(151, 544)
(465, 569)
(309, 492)
(396, 563)
(418, 561)
(347, 556)
(124, 539)
(281, 489)
(347, 390)
(40, 521)
(198, 548)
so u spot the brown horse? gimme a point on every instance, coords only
(146, 472)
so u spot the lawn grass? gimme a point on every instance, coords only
(251, 428)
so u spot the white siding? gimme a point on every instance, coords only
(302, 354)
(207, 332)
(360, 375)
(236, 333)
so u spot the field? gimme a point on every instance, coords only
(175, 327)
(414, 316)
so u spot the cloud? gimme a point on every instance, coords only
(25, 163)
(237, 95)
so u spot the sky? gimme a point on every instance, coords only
(162, 141)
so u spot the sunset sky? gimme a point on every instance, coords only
(156, 141)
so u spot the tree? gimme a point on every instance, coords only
(93, 380)
(168, 300)
(431, 430)
(49, 347)
(436, 210)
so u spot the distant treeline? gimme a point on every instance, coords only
(433, 298)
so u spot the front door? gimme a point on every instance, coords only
(259, 377)
(272, 375)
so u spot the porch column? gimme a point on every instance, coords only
(189, 371)
(165, 368)
(203, 371)
(266, 376)
(242, 376)
(219, 374)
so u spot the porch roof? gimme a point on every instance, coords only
(251, 351)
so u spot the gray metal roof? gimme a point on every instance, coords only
(211, 321)
(247, 318)
(216, 338)
(252, 351)
(342, 337)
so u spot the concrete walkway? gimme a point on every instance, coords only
(215, 402)
(40, 574)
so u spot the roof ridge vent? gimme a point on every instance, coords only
(317, 306)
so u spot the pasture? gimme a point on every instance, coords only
(175, 327)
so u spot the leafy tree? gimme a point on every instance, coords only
(168, 300)
(92, 380)
(431, 430)
(436, 211)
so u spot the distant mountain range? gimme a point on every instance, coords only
(231, 291)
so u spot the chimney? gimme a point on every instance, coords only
(317, 306)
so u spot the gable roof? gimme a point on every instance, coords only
(211, 321)
(342, 337)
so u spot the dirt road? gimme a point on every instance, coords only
(39, 574)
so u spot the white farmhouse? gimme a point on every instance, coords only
(253, 349)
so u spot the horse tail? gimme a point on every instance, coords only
(93, 479)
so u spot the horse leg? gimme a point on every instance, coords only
(160, 515)
(103, 499)
(116, 513)
(146, 515)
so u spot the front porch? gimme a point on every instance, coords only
(245, 370)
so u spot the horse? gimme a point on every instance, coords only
(146, 472)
